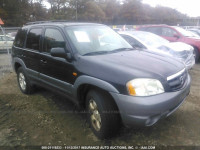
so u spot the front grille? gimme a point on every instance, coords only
(177, 81)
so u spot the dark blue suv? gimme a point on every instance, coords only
(98, 70)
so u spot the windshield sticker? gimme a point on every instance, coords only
(81, 36)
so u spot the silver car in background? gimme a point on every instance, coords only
(149, 41)
(5, 43)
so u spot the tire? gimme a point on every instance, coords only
(196, 54)
(23, 82)
(102, 114)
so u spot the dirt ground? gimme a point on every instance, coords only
(44, 119)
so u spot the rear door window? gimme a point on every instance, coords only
(155, 30)
(33, 39)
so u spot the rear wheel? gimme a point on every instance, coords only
(196, 54)
(23, 82)
(103, 116)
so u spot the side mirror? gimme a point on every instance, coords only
(176, 36)
(60, 52)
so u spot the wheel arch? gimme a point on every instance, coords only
(198, 52)
(195, 47)
(17, 62)
(85, 83)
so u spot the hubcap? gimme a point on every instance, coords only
(22, 81)
(95, 115)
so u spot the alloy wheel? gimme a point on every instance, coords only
(95, 116)
(22, 81)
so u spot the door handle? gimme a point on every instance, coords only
(43, 61)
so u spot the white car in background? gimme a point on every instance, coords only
(5, 43)
(12, 35)
(149, 41)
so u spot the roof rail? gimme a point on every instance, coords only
(39, 22)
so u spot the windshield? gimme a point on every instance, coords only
(150, 39)
(184, 32)
(96, 39)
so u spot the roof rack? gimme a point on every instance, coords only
(39, 22)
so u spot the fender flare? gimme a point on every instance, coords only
(93, 81)
(20, 61)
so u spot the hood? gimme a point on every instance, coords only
(193, 38)
(173, 49)
(179, 46)
(122, 67)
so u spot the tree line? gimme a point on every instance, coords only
(19, 12)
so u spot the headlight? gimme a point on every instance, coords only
(144, 87)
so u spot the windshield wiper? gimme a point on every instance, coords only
(122, 49)
(107, 52)
(96, 53)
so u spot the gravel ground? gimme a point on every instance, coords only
(46, 119)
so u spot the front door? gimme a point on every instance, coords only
(55, 71)
(169, 34)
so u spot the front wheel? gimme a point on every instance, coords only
(103, 115)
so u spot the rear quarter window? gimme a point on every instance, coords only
(20, 38)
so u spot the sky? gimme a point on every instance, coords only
(46, 4)
(189, 7)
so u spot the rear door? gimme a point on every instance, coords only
(55, 71)
(31, 53)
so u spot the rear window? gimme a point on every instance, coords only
(20, 38)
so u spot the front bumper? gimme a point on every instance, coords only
(189, 63)
(146, 111)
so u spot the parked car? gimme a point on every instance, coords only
(5, 43)
(174, 34)
(196, 31)
(193, 34)
(12, 35)
(93, 66)
(117, 29)
(149, 41)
